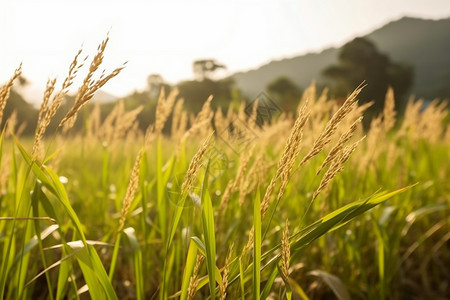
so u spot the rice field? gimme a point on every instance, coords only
(236, 204)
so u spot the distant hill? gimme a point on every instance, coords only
(424, 44)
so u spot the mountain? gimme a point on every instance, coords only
(424, 44)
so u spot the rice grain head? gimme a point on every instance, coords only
(193, 281)
(131, 190)
(325, 137)
(6, 89)
(90, 85)
(285, 251)
(389, 112)
(340, 144)
(195, 165)
(336, 166)
(226, 274)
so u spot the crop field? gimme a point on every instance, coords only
(244, 203)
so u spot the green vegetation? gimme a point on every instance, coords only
(113, 212)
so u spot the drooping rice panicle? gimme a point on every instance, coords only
(339, 145)
(6, 89)
(195, 165)
(285, 251)
(90, 85)
(325, 137)
(131, 191)
(193, 282)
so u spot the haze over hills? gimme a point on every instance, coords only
(424, 44)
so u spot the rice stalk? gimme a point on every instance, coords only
(325, 137)
(131, 191)
(89, 85)
(195, 165)
(48, 110)
(193, 282)
(6, 89)
(336, 166)
(226, 273)
(285, 251)
(339, 145)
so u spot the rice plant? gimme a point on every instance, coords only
(111, 212)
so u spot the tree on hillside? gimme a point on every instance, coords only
(195, 92)
(205, 68)
(360, 60)
(155, 83)
(286, 92)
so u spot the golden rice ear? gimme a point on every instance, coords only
(131, 191)
(195, 164)
(177, 118)
(336, 166)
(193, 281)
(226, 274)
(325, 137)
(90, 86)
(340, 144)
(285, 250)
(6, 89)
(202, 122)
(389, 112)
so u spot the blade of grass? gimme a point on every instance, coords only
(209, 234)
(137, 259)
(188, 268)
(333, 282)
(257, 246)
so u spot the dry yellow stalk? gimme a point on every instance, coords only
(47, 110)
(176, 118)
(126, 121)
(6, 89)
(163, 109)
(106, 131)
(5, 172)
(325, 137)
(226, 196)
(336, 167)
(11, 124)
(195, 164)
(226, 273)
(286, 162)
(219, 121)
(131, 191)
(389, 112)
(239, 180)
(94, 121)
(202, 122)
(90, 86)
(340, 144)
(253, 116)
(292, 149)
(285, 251)
(193, 281)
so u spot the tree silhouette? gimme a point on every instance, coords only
(286, 92)
(155, 83)
(205, 68)
(360, 60)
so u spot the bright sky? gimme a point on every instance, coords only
(165, 37)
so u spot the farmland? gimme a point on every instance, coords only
(236, 204)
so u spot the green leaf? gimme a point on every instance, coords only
(137, 259)
(257, 246)
(209, 234)
(188, 268)
(334, 283)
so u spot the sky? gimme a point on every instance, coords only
(165, 37)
